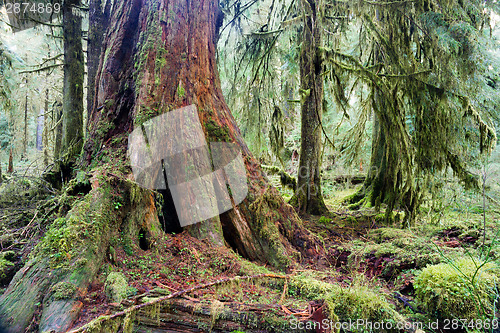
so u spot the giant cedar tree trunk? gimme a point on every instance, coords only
(99, 11)
(157, 56)
(308, 197)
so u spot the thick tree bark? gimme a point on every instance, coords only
(308, 197)
(72, 138)
(157, 56)
(99, 11)
(173, 65)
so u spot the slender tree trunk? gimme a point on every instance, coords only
(157, 56)
(308, 197)
(72, 136)
(45, 135)
(39, 130)
(10, 168)
(25, 138)
(58, 130)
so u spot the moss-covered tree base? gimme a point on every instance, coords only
(314, 206)
(44, 293)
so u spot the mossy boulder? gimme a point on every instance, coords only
(461, 289)
(360, 302)
(116, 287)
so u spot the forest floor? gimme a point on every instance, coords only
(377, 263)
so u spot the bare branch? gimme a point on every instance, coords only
(41, 69)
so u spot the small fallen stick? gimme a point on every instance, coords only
(29, 224)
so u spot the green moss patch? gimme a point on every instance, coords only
(461, 289)
(4, 265)
(116, 287)
(361, 302)
(63, 290)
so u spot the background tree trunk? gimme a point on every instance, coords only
(58, 130)
(72, 137)
(40, 121)
(375, 187)
(25, 138)
(10, 168)
(383, 183)
(308, 197)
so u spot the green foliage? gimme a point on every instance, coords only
(381, 235)
(324, 220)
(181, 92)
(11, 192)
(4, 265)
(306, 285)
(460, 289)
(5, 133)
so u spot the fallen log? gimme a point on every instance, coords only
(353, 179)
(159, 311)
(189, 315)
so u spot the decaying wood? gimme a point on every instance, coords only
(188, 315)
(353, 179)
(159, 300)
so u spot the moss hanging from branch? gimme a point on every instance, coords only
(423, 78)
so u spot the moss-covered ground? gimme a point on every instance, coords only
(442, 268)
